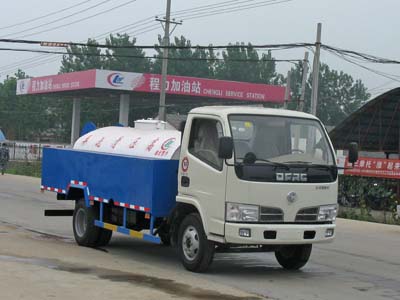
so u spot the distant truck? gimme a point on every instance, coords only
(236, 179)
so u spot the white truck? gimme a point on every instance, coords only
(238, 179)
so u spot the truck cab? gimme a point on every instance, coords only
(257, 178)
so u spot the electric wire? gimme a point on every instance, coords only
(80, 20)
(383, 74)
(210, 46)
(57, 20)
(144, 57)
(45, 16)
(152, 28)
(234, 9)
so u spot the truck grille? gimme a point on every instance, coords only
(309, 214)
(271, 214)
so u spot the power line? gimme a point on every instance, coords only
(45, 16)
(389, 76)
(360, 56)
(58, 20)
(234, 9)
(136, 24)
(46, 58)
(80, 20)
(208, 6)
(230, 46)
(152, 28)
(148, 57)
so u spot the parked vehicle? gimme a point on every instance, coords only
(236, 179)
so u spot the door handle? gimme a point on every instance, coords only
(185, 181)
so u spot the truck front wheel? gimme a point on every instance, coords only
(195, 250)
(293, 257)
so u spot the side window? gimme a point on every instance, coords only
(204, 141)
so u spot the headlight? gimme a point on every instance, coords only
(327, 213)
(241, 212)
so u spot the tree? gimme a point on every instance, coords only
(23, 117)
(339, 94)
(125, 59)
(185, 62)
(82, 58)
(244, 64)
(102, 111)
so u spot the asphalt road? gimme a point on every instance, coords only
(362, 263)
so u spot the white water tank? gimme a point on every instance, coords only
(144, 141)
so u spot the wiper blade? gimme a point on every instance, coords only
(309, 164)
(270, 162)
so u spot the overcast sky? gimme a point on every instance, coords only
(361, 25)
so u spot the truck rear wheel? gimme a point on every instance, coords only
(104, 237)
(85, 232)
(293, 257)
(195, 250)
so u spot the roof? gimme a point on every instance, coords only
(226, 110)
(375, 126)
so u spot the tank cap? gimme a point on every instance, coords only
(150, 124)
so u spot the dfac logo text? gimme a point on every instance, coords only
(115, 79)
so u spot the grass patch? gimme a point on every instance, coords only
(26, 168)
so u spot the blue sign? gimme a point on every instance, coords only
(2, 136)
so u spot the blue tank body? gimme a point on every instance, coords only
(134, 182)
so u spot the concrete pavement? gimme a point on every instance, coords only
(362, 263)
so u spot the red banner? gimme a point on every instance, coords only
(151, 83)
(57, 83)
(211, 88)
(374, 167)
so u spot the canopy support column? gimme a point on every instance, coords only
(124, 109)
(76, 119)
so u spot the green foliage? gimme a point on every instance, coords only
(23, 117)
(252, 69)
(367, 189)
(136, 63)
(181, 60)
(339, 94)
(82, 58)
(34, 117)
(26, 168)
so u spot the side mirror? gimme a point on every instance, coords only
(225, 149)
(353, 152)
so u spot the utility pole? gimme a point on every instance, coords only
(161, 111)
(303, 82)
(314, 98)
(287, 90)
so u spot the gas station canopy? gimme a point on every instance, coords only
(145, 87)
(149, 83)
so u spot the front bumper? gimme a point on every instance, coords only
(263, 234)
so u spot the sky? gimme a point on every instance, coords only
(360, 25)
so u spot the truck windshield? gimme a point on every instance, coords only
(262, 139)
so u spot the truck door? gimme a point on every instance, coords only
(202, 174)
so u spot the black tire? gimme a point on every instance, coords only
(104, 237)
(195, 250)
(85, 232)
(293, 257)
(165, 238)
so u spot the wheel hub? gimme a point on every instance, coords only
(80, 222)
(190, 243)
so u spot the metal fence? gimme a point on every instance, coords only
(28, 151)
